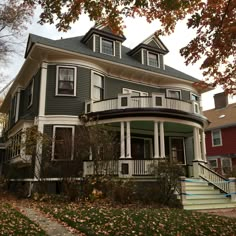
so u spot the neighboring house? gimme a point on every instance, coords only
(154, 108)
(221, 135)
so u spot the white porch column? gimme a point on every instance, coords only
(196, 143)
(203, 146)
(128, 140)
(162, 139)
(156, 140)
(122, 140)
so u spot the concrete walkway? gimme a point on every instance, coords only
(51, 227)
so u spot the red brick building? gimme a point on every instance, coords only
(221, 135)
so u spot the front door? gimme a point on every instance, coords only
(177, 152)
(141, 148)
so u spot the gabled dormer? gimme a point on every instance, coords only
(150, 52)
(101, 39)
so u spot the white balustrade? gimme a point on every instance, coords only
(140, 102)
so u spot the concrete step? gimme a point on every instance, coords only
(206, 196)
(199, 187)
(202, 192)
(206, 201)
(209, 206)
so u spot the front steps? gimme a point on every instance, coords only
(199, 196)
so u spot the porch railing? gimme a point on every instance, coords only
(113, 167)
(214, 178)
(124, 101)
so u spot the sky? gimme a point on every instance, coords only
(137, 30)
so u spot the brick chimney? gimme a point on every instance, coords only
(221, 100)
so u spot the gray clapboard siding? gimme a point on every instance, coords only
(113, 87)
(67, 105)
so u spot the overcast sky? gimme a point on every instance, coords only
(136, 31)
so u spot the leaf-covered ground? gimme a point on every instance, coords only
(14, 223)
(94, 220)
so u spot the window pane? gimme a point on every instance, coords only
(213, 163)
(98, 85)
(216, 137)
(97, 93)
(63, 143)
(66, 80)
(98, 80)
(107, 47)
(153, 60)
(174, 94)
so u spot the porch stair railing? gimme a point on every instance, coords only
(214, 178)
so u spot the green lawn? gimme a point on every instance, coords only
(129, 221)
(14, 223)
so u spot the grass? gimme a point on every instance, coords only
(14, 223)
(93, 220)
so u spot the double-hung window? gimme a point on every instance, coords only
(97, 87)
(66, 81)
(63, 144)
(216, 138)
(107, 47)
(153, 59)
(176, 94)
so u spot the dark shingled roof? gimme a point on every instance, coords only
(75, 45)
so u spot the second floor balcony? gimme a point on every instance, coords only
(155, 101)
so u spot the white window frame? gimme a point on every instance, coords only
(195, 95)
(158, 59)
(222, 168)
(130, 91)
(162, 96)
(92, 85)
(32, 93)
(113, 46)
(72, 145)
(75, 80)
(212, 138)
(216, 161)
(175, 90)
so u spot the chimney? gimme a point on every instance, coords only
(221, 100)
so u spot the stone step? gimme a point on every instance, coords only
(202, 192)
(208, 206)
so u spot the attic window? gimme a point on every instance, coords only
(107, 47)
(153, 59)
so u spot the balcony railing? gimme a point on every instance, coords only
(126, 101)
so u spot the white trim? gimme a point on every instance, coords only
(94, 43)
(212, 138)
(17, 105)
(157, 41)
(75, 80)
(43, 89)
(32, 92)
(130, 91)
(120, 45)
(160, 95)
(53, 143)
(113, 46)
(158, 59)
(174, 90)
(142, 56)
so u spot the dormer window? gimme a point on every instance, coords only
(107, 47)
(153, 59)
